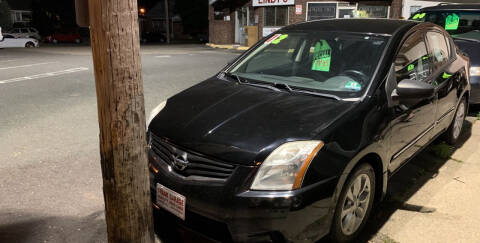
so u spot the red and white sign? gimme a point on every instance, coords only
(298, 9)
(262, 3)
(171, 201)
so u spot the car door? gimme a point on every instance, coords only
(445, 77)
(413, 119)
(16, 33)
(25, 33)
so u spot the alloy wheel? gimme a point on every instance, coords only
(355, 204)
(459, 118)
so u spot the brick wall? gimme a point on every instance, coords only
(221, 31)
(396, 9)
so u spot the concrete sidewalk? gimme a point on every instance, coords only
(434, 199)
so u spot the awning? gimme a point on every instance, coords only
(231, 4)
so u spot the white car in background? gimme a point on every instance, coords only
(9, 42)
(26, 32)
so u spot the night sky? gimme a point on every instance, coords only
(51, 15)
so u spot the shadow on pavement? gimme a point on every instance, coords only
(24, 227)
(408, 180)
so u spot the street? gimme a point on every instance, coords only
(50, 175)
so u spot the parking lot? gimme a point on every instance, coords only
(50, 176)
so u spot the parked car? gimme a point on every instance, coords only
(9, 41)
(462, 21)
(27, 32)
(298, 137)
(66, 37)
(147, 37)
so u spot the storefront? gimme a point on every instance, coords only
(233, 22)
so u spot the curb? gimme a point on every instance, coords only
(229, 47)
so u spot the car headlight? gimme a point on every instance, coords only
(474, 71)
(155, 111)
(286, 166)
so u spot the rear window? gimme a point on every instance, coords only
(456, 22)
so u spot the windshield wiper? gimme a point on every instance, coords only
(283, 86)
(316, 94)
(244, 81)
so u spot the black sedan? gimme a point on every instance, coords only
(298, 137)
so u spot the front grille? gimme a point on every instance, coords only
(197, 165)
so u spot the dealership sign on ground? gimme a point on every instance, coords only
(261, 3)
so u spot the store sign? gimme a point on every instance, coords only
(267, 31)
(263, 3)
(371, 11)
(298, 9)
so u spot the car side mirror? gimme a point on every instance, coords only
(413, 89)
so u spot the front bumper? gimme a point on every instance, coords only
(226, 211)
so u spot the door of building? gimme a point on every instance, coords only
(346, 10)
(242, 17)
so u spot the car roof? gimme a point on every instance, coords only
(471, 6)
(355, 25)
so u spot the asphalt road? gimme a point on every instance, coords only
(50, 175)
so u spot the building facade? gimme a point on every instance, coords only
(229, 20)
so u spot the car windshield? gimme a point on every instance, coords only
(460, 24)
(336, 63)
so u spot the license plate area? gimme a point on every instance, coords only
(171, 201)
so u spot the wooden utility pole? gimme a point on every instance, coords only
(167, 21)
(121, 116)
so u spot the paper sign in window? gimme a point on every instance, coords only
(322, 56)
(452, 21)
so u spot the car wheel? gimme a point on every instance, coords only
(30, 45)
(354, 204)
(55, 41)
(77, 41)
(453, 132)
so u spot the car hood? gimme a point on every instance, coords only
(242, 124)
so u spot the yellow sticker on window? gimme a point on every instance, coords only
(419, 16)
(322, 57)
(279, 39)
(452, 21)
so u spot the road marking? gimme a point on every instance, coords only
(7, 61)
(44, 75)
(29, 65)
(166, 56)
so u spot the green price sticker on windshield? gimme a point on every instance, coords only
(419, 16)
(322, 56)
(410, 67)
(452, 21)
(279, 39)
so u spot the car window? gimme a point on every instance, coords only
(438, 48)
(455, 22)
(412, 60)
(338, 63)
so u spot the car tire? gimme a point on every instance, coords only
(455, 129)
(354, 204)
(29, 44)
(78, 41)
(55, 41)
